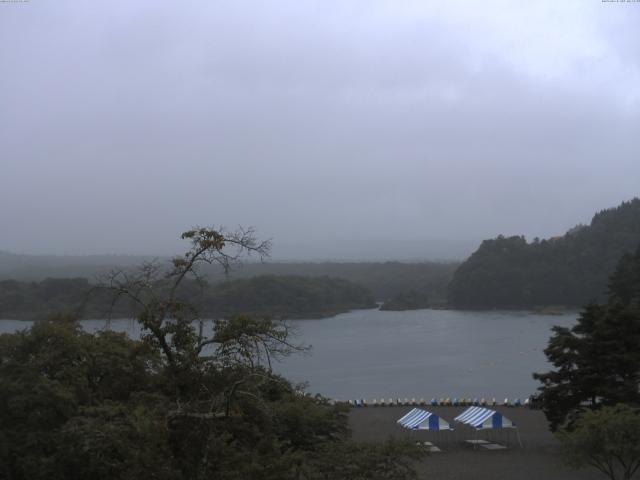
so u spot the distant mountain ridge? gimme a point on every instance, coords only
(571, 270)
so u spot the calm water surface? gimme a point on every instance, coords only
(422, 353)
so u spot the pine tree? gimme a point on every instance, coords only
(597, 361)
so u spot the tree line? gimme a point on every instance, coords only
(383, 279)
(267, 295)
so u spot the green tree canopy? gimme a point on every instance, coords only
(597, 361)
(607, 439)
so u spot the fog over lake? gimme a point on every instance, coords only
(342, 130)
(421, 353)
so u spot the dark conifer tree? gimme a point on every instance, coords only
(597, 362)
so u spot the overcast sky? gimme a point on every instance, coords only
(340, 129)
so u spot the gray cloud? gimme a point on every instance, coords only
(341, 129)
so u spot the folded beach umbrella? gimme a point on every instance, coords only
(483, 418)
(418, 419)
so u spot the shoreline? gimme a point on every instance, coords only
(335, 313)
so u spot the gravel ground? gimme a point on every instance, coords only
(538, 459)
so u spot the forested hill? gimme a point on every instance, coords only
(509, 272)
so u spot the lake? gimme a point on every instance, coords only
(421, 353)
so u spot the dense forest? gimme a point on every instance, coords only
(509, 272)
(266, 295)
(287, 296)
(383, 279)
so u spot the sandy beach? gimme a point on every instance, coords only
(538, 458)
